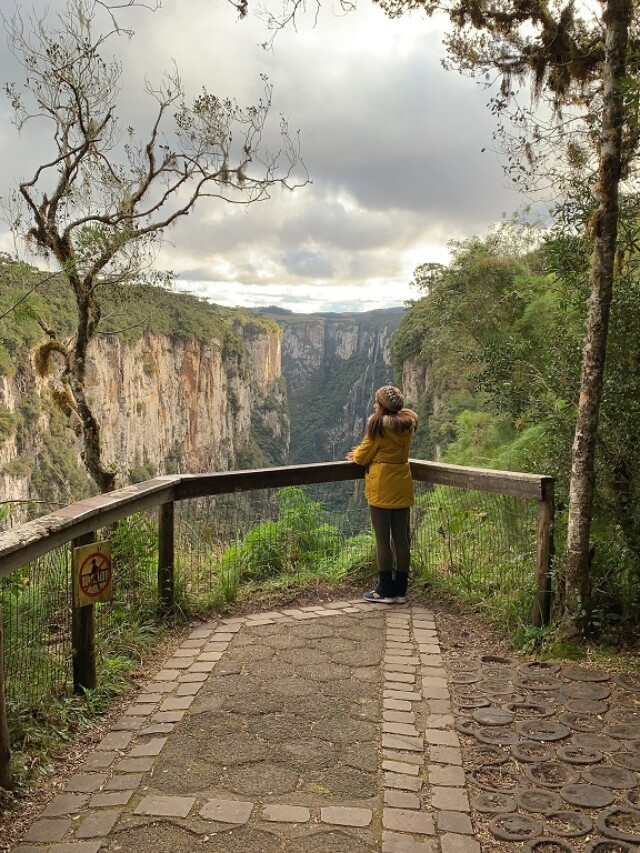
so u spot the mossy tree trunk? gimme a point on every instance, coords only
(577, 591)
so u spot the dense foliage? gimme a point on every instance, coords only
(500, 330)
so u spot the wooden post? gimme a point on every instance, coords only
(83, 635)
(541, 614)
(6, 776)
(166, 583)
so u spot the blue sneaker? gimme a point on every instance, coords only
(374, 597)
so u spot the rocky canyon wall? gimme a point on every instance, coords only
(332, 365)
(164, 404)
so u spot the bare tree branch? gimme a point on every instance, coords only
(101, 202)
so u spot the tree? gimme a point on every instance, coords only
(500, 333)
(101, 202)
(577, 60)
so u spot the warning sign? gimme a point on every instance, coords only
(92, 573)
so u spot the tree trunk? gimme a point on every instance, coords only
(605, 231)
(91, 443)
(88, 319)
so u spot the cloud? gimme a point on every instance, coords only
(307, 263)
(392, 143)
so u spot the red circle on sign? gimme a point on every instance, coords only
(95, 574)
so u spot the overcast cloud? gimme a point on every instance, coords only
(392, 143)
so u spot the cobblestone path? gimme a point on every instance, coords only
(345, 729)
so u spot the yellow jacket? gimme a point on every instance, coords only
(387, 481)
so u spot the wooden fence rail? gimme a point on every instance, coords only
(79, 522)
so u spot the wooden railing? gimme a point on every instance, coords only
(78, 523)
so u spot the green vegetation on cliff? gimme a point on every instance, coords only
(29, 296)
(129, 311)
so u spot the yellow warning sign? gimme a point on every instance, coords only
(92, 573)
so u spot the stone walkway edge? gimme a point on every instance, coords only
(424, 801)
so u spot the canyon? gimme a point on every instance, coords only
(265, 388)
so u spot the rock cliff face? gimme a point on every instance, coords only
(164, 406)
(332, 365)
(186, 404)
(416, 381)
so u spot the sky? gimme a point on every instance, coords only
(392, 142)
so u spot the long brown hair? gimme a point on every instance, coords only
(403, 421)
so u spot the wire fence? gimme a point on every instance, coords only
(36, 612)
(480, 545)
(36, 606)
(265, 535)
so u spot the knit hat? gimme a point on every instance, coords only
(390, 398)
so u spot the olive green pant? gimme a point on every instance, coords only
(391, 531)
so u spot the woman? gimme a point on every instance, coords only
(388, 488)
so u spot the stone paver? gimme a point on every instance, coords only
(129, 724)
(397, 704)
(406, 717)
(454, 843)
(86, 783)
(227, 811)
(168, 716)
(47, 829)
(343, 816)
(405, 820)
(188, 689)
(401, 799)
(100, 760)
(455, 822)
(402, 781)
(414, 744)
(446, 774)
(416, 758)
(152, 747)
(450, 799)
(286, 814)
(441, 737)
(166, 806)
(394, 842)
(98, 824)
(109, 800)
(115, 741)
(445, 755)
(65, 804)
(400, 767)
(177, 703)
(140, 709)
(124, 782)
